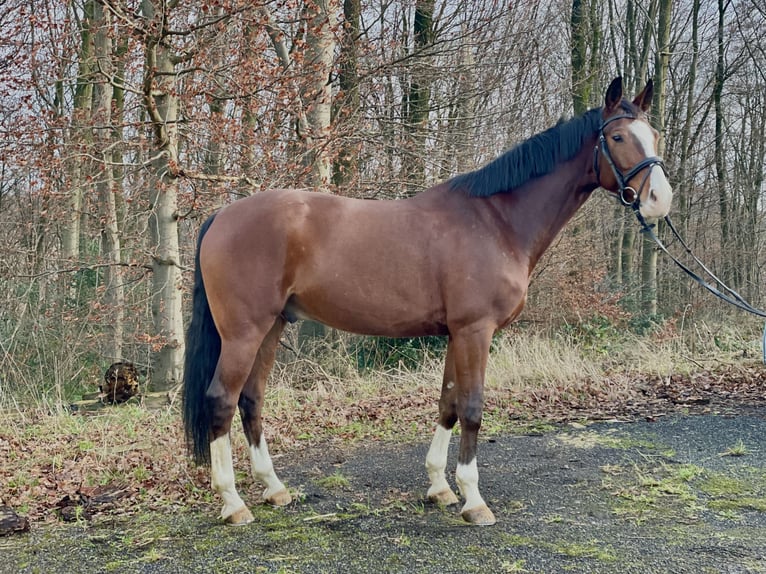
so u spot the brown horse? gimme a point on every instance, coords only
(454, 260)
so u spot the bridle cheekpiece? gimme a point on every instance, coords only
(627, 195)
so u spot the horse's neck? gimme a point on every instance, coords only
(538, 210)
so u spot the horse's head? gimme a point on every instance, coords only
(625, 157)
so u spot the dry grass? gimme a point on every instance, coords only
(48, 452)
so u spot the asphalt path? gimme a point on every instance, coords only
(680, 494)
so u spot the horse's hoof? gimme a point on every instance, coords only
(444, 498)
(479, 516)
(281, 498)
(240, 517)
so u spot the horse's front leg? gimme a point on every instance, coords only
(440, 491)
(471, 350)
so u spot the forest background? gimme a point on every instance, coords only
(124, 124)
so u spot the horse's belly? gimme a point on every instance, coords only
(366, 316)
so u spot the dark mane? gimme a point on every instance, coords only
(532, 158)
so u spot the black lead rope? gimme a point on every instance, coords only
(731, 296)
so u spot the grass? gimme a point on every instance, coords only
(593, 549)
(47, 451)
(681, 492)
(738, 449)
(733, 494)
(333, 481)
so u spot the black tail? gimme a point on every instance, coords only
(203, 347)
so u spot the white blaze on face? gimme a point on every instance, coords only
(656, 198)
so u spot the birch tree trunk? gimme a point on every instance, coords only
(114, 294)
(317, 96)
(83, 100)
(161, 104)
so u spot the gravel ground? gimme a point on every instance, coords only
(681, 494)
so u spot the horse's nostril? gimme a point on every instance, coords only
(652, 195)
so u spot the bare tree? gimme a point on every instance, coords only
(317, 94)
(162, 107)
(103, 96)
(417, 98)
(661, 62)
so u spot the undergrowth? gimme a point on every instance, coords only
(353, 367)
(47, 450)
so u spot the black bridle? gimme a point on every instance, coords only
(628, 196)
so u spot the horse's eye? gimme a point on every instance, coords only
(617, 137)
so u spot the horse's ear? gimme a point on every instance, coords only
(613, 94)
(644, 100)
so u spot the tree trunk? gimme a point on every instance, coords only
(586, 32)
(661, 64)
(683, 188)
(465, 111)
(80, 137)
(628, 248)
(317, 95)
(580, 85)
(347, 106)
(636, 63)
(720, 161)
(752, 153)
(114, 294)
(161, 104)
(418, 99)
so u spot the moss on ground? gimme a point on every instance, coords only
(590, 500)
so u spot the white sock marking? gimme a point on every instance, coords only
(436, 460)
(263, 469)
(467, 477)
(222, 475)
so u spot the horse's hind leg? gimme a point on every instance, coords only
(250, 408)
(440, 491)
(234, 364)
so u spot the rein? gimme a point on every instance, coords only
(629, 197)
(725, 293)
